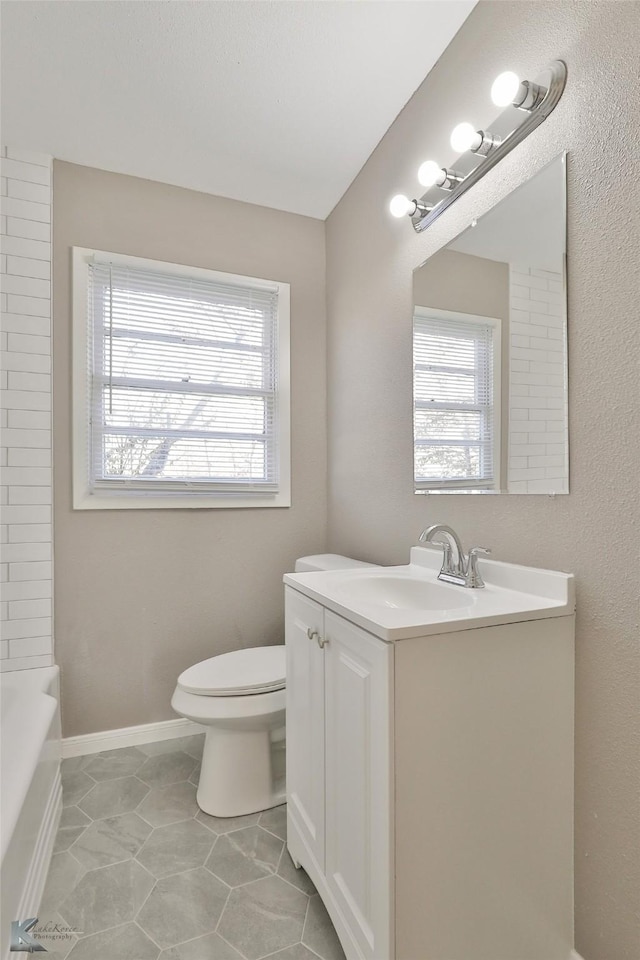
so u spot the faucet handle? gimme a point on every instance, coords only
(473, 577)
(447, 555)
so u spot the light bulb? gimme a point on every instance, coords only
(429, 174)
(465, 137)
(505, 88)
(400, 205)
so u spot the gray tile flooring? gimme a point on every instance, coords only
(144, 874)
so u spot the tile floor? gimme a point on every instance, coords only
(144, 874)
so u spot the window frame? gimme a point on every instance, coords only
(450, 485)
(120, 497)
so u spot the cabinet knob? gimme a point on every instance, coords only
(314, 635)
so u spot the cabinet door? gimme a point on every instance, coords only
(305, 720)
(358, 677)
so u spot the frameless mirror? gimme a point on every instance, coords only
(490, 350)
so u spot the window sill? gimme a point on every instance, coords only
(98, 501)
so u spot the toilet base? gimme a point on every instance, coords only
(240, 772)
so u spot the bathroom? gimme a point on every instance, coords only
(112, 120)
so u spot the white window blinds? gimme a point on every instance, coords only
(184, 383)
(454, 411)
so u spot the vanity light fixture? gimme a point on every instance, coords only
(535, 99)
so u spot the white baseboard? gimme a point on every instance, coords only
(39, 868)
(128, 737)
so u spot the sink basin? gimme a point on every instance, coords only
(405, 593)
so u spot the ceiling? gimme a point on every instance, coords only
(277, 102)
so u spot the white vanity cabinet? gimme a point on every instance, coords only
(339, 680)
(430, 782)
(306, 722)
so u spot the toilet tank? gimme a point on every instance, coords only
(328, 561)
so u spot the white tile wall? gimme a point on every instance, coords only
(537, 388)
(25, 405)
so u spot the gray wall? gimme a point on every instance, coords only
(373, 512)
(142, 594)
(464, 283)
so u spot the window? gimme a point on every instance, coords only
(181, 386)
(456, 408)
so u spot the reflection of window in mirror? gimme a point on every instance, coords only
(456, 376)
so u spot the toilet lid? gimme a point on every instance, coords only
(255, 670)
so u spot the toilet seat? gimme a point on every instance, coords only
(256, 670)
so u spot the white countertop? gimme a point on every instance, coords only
(512, 594)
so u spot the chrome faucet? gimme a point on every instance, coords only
(461, 570)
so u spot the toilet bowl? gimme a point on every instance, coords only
(239, 697)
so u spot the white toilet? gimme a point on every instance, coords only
(240, 698)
